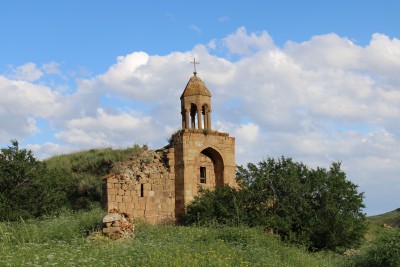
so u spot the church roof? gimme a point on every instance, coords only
(195, 86)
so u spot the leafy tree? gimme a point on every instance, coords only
(224, 205)
(317, 208)
(27, 188)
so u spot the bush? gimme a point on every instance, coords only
(316, 208)
(224, 205)
(384, 251)
(27, 188)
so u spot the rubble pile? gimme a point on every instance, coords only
(117, 225)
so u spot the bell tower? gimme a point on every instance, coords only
(196, 105)
(203, 157)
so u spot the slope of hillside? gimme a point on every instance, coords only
(391, 219)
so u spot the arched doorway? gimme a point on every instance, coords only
(210, 169)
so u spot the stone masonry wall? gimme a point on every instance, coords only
(194, 149)
(143, 187)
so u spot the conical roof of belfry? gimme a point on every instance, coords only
(195, 86)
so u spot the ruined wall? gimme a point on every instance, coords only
(158, 185)
(143, 187)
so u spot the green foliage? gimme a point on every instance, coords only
(30, 188)
(390, 218)
(93, 161)
(384, 251)
(61, 241)
(66, 226)
(206, 131)
(221, 206)
(27, 189)
(174, 136)
(316, 208)
(84, 170)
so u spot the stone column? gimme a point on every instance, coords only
(205, 119)
(183, 119)
(186, 118)
(209, 120)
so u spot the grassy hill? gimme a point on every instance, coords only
(391, 219)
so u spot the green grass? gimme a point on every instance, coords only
(390, 218)
(83, 171)
(62, 241)
(94, 161)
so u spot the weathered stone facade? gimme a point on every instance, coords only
(144, 188)
(202, 160)
(159, 185)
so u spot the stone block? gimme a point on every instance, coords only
(138, 213)
(150, 212)
(147, 186)
(135, 199)
(111, 205)
(156, 187)
(129, 207)
(117, 186)
(118, 199)
(155, 176)
(122, 207)
(126, 199)
(124, 187)
(168, 194)
(112, 191)
(113, 180)
(164, 213)
(121, 192)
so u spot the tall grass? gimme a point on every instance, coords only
(66, 226)
(62, 241)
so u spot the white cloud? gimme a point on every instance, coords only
(20, 103)
(242, 43)
(48, 149)
(109, 128)
(248, 132)
(51, 68)
(27, 72)
(323, 100)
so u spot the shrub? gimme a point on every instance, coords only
(224, 205)
(317, 208)
(27, 188)
(384, 251)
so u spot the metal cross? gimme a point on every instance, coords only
(194, 65)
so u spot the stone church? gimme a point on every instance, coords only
(157, 185)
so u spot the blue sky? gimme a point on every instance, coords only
(313, 80)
